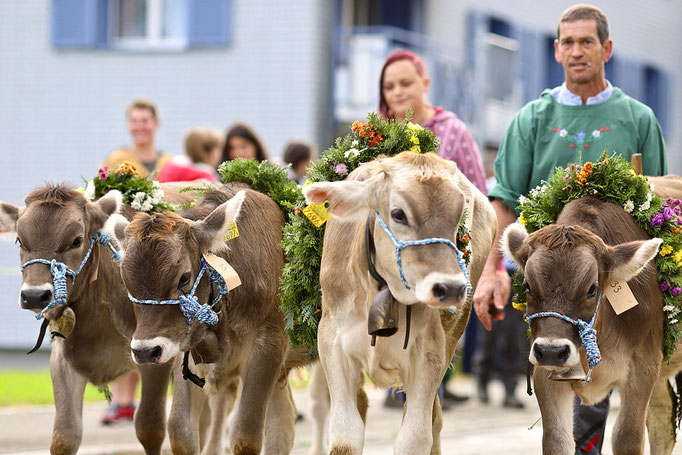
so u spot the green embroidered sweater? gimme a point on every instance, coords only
(546, 134)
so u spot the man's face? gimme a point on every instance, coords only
(142, 126)
(579, 51)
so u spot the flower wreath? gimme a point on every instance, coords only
(302, 241)
(141, 193)
(612, 179)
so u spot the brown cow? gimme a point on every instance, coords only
(566, 266)
(419, 197)
(58, 223)
(162, 258)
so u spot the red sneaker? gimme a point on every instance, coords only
(117, 413)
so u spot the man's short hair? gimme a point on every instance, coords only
(584, 11)
(141, 103)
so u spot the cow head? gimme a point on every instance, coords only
(417, 196)
(161, 260)
(565, 269)
(56, 223)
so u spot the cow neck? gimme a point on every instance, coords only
(370, 252)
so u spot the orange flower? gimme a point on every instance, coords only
(677, 229)
(355, 126)
(126, 168)
(375, 140)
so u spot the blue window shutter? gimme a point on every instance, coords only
(79, 24)
(209, 22)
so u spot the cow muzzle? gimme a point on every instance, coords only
(36, 298)
(555, 354)
(439, 290)
(158, 350)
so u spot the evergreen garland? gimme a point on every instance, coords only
(612, 180)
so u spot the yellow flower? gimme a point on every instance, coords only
(667, 249)
(521, 306)
(678, 257)
(415, 140)
(80, 190)
(307, 182)
(522, 220)
(633, 172)
(414, 127)
(416, 149)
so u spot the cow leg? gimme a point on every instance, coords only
(628, 432)
(436, 426)
(280, 420)
(319, 409)
(344, 377)
(219, 406)
(150, 418)
(185, 414)
(659, 419)
(68, 387)
(556, 407)
(259, 377)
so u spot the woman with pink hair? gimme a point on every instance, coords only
(402, 86)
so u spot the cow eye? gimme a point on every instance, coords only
(184, 280)
(78, 241)
(399, 216)
(592, 291)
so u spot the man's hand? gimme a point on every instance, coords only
(493, 289)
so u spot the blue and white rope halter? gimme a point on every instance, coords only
(60, 271)
(402, 245)
(189, 304)
(586, 332)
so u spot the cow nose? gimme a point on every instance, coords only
(551, 354)
(35, 299)
(446, 291)
(147, 355)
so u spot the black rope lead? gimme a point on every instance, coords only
(188, 375)
(41, 336)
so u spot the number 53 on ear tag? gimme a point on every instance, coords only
(317, 213)
(620, 296)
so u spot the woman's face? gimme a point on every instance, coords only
(241, 148)
(404, 88)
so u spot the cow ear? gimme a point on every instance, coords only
(8, 217)
(100, 210)
(628, 259)
(512, 242)
(116, 227)
(210, 233)
(347, 198)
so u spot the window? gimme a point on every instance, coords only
(153, 24)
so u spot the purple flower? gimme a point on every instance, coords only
(340, 169)
(664, 286)
(579, 137)
(103, 172)
(657, 220)
(675, 291)
(676, 210)
(676, 202)
(667, 213)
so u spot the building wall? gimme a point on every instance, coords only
(61, 112)
(648, 32)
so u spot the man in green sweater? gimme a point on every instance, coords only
(582, 117)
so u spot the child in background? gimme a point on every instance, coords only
(300, 155)
(203, 147)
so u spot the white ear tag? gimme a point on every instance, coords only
(620, 296)
(224, 269)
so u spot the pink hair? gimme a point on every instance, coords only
(400, 54)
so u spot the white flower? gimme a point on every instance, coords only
(355, 143)
(673, 321)
(535, 192)
(668, 308)
(89, 192)
(652, 186)
(141, 201)
(628, 206)
(157, 192)
(645, 205)
(352, 152)
(563, 133)
(523, 199)
(596, 133)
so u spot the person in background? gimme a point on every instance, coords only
(402, 86)
(142, 121)
(241, 141)
(203, 149)
(300, 155)
(581, 117)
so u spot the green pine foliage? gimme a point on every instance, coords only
(612, 180)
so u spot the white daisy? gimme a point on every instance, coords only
(89, 192)
(628, 206)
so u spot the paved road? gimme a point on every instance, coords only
(470, 428)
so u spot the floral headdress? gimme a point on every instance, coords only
(612, 179)
(141, 193)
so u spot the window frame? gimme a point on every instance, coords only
(152, 41)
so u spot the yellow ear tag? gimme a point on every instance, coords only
(317, 213)
(620, 296)
(232, 232)
(224, 269)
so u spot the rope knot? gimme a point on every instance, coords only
(192, 309)
(588, 336)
